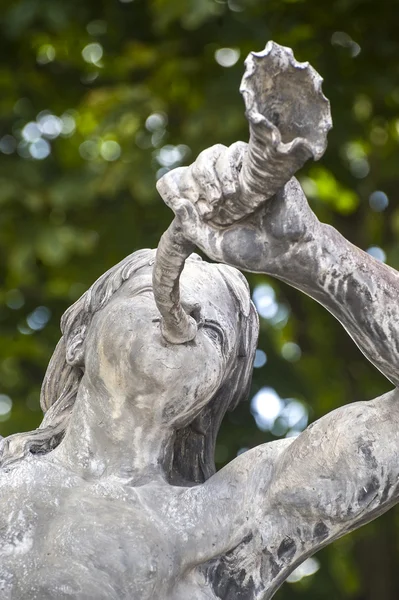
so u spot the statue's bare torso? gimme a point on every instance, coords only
(88, 540)
(235, 537)
(91, 539)
(69, 538)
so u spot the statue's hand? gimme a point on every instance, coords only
(265, 241)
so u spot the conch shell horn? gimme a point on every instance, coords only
(289, 118)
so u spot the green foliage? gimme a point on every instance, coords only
(80, 153)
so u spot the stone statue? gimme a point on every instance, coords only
(115, 496)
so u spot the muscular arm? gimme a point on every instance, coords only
(279, 503)
(343, 470)
(340, 473)
(285, 239)
(361, 292)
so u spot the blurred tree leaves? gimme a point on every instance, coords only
(99, 99)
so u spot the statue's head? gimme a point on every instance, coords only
(112, 335)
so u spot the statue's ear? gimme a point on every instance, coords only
(75, 347)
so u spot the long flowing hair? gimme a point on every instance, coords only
(193, 460)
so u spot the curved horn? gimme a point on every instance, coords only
(177, 326)
(289, 118)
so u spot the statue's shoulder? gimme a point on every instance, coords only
(254, 465)
(30, 478)
(16, 475)
(18, 489)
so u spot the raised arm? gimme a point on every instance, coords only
(340, 473)
(285, 239)
(361, 292)
(269, 509)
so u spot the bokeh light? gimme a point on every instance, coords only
(8, 144)
(40, 149)
(266, 406)
(38, 318)
(15, 299)
(227, 57)
(110, 150)
(378, 201)
(291, 351)
(309, 567)
(260, 359)
(280, 416)
(5, 406)
(93, 53)
(377, 253)
(264, 298)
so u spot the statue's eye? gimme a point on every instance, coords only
(214, 332)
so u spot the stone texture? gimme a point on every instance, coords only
(115, 496)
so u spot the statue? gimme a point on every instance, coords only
(115, 495)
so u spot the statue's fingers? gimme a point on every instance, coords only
(186, 212)
(204, 174)
(290, 199)
(189, 220)
(168, 187)
(228, 167)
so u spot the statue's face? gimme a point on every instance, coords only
(127, 352)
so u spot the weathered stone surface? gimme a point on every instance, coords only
(115, 496)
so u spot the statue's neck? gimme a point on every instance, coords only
(108, 436)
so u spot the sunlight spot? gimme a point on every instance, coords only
(156, 121)
(50, 125)
(266, 406)
(89, 150)
(8, 144)
(260, 359)
(23, 149)
(280, 319)
(40, 149)
(171, 156)
(15, 299)
(291, 351)
(45, 54)
(340, 38)
(377, 253)
(360, 167)
(295, 414)
(307, 568)
(24, 329)
(31, 132)
(5, 405)
(378, 201)
(92, 53)
(264, 298)
(227, 57)
(110, 150)
(39, 318)
(68, 124)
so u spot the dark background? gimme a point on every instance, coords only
(79, 80)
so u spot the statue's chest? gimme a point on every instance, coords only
(118, 538)
(88, 543)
